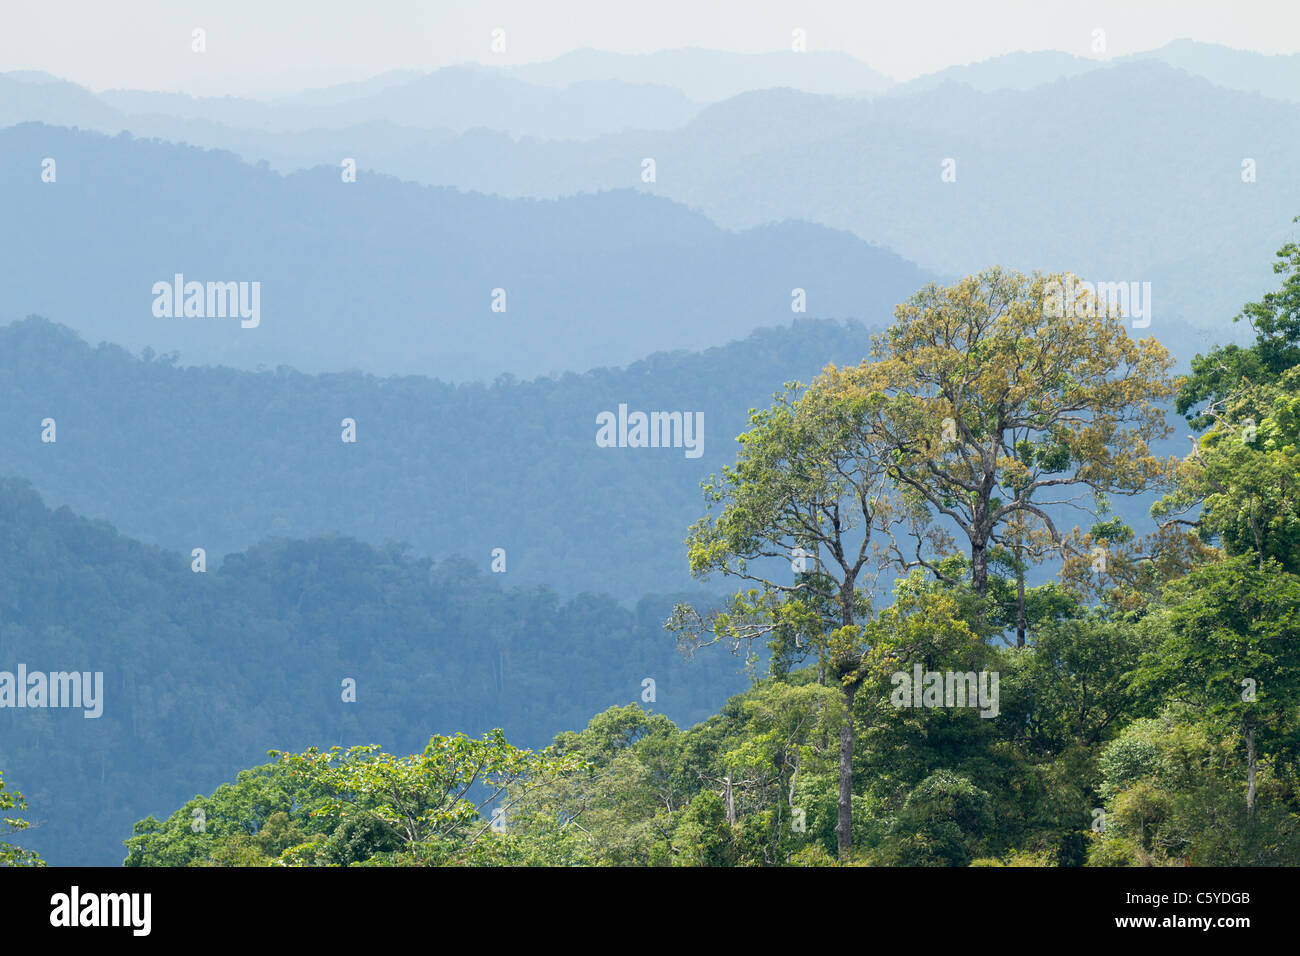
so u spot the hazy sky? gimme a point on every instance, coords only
(280, 45)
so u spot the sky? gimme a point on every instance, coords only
(267, 47)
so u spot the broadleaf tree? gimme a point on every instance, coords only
(795, 522)
(1009, 404)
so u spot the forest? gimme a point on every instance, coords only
(223, 459)
(886, 519)
(202, 672)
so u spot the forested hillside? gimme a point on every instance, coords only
(221, 459)
(204, 672)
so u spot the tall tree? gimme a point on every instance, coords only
(1002, 404)
(795, 520)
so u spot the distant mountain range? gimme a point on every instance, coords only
(1277, 76)
(579, 96)
(394, 277)
(588, 93)
(1136, 172)
(711, 75)
(455, 98)
(1052, 153)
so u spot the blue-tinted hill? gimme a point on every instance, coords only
(392, 277)
(203, 673)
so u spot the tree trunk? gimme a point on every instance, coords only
(844, 826)
(979, 567)
(1020, 603)
(1250, 770)
(794, 777)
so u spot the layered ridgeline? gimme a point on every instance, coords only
(203, 672)
(1024, 187)
(219, 459)
(576, 96)
(1274, 76)
(393, 277)
(1195, 188)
